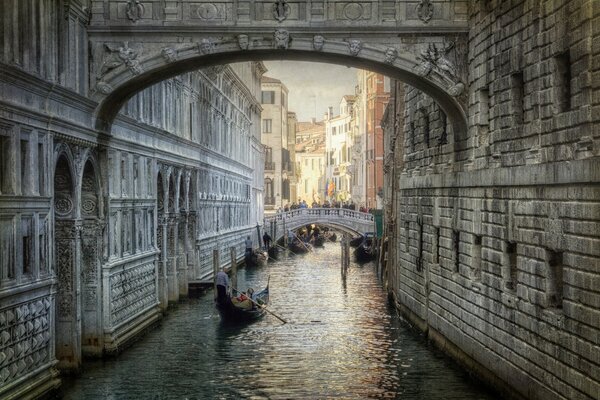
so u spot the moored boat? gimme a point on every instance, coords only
(366, 250)
(256, 258)
(355, 242)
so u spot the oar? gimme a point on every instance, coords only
(286, 249)
(263, 307)
(305, 246)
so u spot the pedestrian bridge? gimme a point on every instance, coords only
(350, 221)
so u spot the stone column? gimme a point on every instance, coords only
(162, 233)
(182, 277)
(172, 273)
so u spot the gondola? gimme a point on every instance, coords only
(273, 252)
(246, 311)
(365, 251)
(318, 241)
(257, 258)
(330, 236)
(355, 242)
(298, 247)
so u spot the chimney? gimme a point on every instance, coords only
(330, 112)
(314, 120)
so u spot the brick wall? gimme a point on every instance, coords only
(497, 237)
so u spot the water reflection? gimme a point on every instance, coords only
(342, 341)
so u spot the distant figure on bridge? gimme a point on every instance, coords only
(248, 246)
(315, 204)
(267, 240)
(222, 281)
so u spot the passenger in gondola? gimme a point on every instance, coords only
(267, 240)
(222, 286)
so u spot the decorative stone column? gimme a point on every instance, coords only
(172, 273)
(162, 235)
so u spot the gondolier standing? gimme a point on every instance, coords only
(222, 285)
(248, 246)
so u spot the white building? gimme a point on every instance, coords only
(338, 141)
(310, 161)
(274, 128)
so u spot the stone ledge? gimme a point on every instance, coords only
(558, 173)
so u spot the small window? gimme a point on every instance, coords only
(518, 98)
(476, 257)
(511, 266)
(268, 97)
(562, 82)
(554, 278)
(456, 247)
(267, 125)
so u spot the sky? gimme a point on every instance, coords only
(313, 86)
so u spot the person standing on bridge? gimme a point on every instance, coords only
(222, 281)
(267, 240)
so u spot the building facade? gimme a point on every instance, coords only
(274, 137)
(310, 161)
(99, 234)
(338, 142)
(496, 231)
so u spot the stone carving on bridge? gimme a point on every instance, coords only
(206, 46)
(435, 59)
(281, 10)
(169, 54)
(353, 11)
(117, 56)
(425, 10)
(281, 39)
(355, 46)
(243, 42)
(318, 42)
(390, 55)
(134, 10)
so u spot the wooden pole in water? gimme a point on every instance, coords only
(345, 255)
(233, 267)
(215, 270)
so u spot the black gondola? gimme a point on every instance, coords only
(355, 242)
(273, 252)
(244, 311)
(365, 251)
(298, 247)
(318, 241)
(256, 258)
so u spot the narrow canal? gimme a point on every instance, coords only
(342, 341)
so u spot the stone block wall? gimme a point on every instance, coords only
(497, 244)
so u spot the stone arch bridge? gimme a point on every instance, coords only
(135, 44)
(350, 221)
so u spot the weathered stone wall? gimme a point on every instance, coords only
(97, 232)
(498, 248)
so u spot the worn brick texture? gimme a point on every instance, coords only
(497, 235)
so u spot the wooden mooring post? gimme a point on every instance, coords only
(345, 255)
(216, 265)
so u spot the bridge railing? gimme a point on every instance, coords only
(320, 213)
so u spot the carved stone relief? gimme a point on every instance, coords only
(318, 42)
(117, 56)
(131, 292)
(354, 46)
(24, 338)
(134, 10)
(169, 54)
(425, 10)
(206, 46)
(281, 10)
(243, 42)
(281, 39)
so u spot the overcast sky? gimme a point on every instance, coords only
(313, 85)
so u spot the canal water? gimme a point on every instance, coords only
(342, 341)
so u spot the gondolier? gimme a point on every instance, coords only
(248, 246)
(222, 281)
(267, 240)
